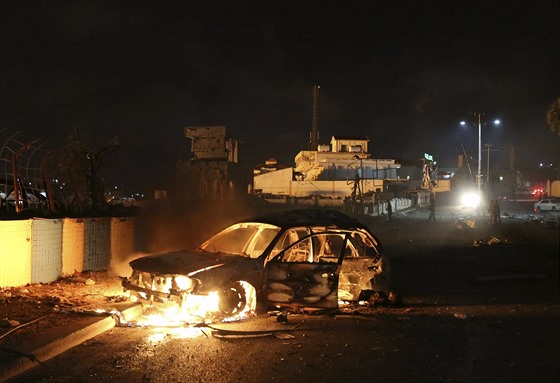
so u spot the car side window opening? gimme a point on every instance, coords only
(230, 242)
(362, 245)
(289, 237)
(261, 240)
(317, 247)
(311, 245)
(330, 245)
(299, 252)
(357, 245)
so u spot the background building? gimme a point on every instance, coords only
(211, 173)
(336, 171)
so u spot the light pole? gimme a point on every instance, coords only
(488, 146)
(479, 173)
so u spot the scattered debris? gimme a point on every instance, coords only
(460, 316)
(282, 317)
(9, 323)
(494, 241)
(379, 298)
(18, 326)
(477, 243)
(462, 223)
(284, 336)
(21, 306)
(225, 333)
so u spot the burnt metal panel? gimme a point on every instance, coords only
(302, 284)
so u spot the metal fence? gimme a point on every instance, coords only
(24, 174)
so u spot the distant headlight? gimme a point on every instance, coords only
(470, 199)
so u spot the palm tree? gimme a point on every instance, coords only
(553, 116)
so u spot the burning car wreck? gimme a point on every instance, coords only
(307, 258)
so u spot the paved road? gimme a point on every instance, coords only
(442, 343)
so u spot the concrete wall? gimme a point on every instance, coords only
(46, 250)
(396, 203)
(73, 245)
(43, 250)
(280, 183)
(15, 253)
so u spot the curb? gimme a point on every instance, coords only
(62, 344)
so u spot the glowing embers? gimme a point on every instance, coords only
(191, 309)
(200, 308)
(159, 335)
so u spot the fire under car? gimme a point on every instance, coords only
(309, 258)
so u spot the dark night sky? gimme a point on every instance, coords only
(402, 73)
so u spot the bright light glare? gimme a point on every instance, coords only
(184, 283)
(470, 199)
(497, 122)
(463, 123)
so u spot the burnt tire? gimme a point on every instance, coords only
(237, 298)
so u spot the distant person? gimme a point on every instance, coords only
(389, 211)
(496, 213)
(492, 213)
(432, 208)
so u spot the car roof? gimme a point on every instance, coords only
(309, 217)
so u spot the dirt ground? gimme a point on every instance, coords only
(26, 312)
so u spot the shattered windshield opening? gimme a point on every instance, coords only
(245, 239)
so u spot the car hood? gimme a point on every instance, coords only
(183, 262)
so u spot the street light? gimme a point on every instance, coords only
(463, 123)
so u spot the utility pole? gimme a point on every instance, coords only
(479, 174)
(488, 146)
(314, 134)
(513, 181)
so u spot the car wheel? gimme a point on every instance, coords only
(237, 298)
(553, 208)
(538, 209)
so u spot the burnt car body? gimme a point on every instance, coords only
(309, 258)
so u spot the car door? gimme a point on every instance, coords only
(298, 277)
